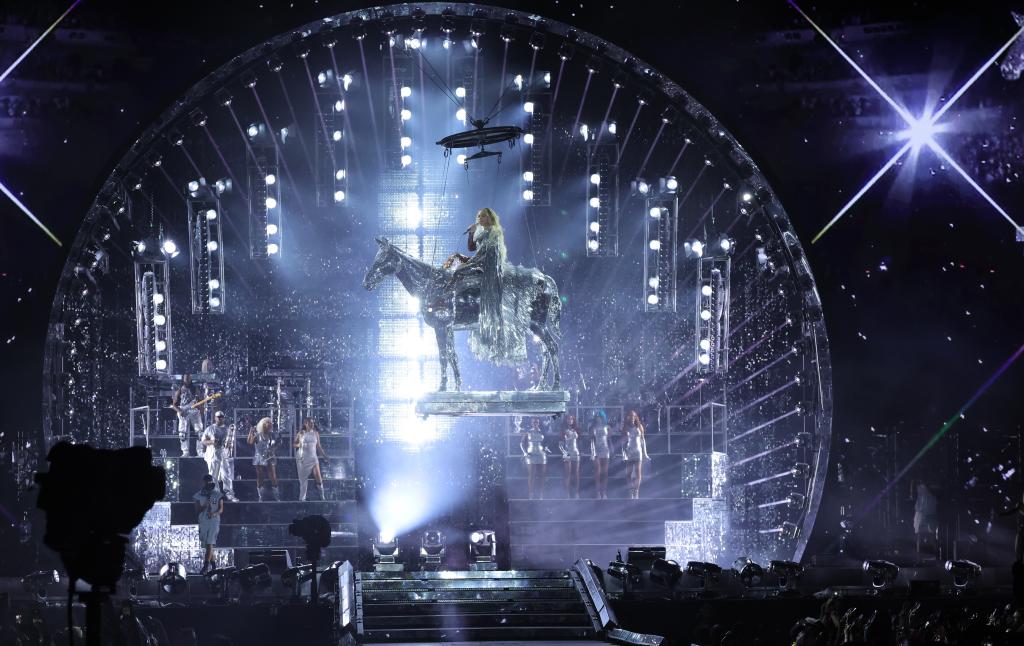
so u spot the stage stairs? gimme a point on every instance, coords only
(477, 606)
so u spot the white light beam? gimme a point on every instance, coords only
(29, 213)
(938, 150)
(981, 70)
(38, 40)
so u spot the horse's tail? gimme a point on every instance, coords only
(554, 309)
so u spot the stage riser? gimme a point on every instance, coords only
(449, 622)
(373, 607)
(498, 596)
(549, 556)
(414, 588)
(333, 445)
(434, 635)
(269, 513)
(192, 470)
(245, 491)
(260, 536)
(600, 510)
(588, 532)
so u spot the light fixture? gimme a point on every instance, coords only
(432, 549)
(339, 196)
(406, 160)
(218, 580)
(271, 203)
(703, 572)
(339, 174)
(528, 195)
(460, 92)
(406, 114)
(528, 139)
(595, 202)
(252, 130)
(336, 135)
(212, 245)
(160, 319)
(272, 229)
(172, 578)
(295, 577)
(655, 245)
(595, 227)
(593, 244)
(787, 574)
(747, 571)
(652, 299)
(528, 107)
(406, 91)
(665, 572)
(273, 248)
(211, 214)
(170, 248)
(528, 176)
(883, 573)
(460, 114)
(193, 186)
(37, 581)
(254, 577)
(655, 211)
(214, 283)
(483, 549)
(595, 178)
(385, 553)
(405, 142)
(964, 572)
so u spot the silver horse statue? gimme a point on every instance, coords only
(446, 307)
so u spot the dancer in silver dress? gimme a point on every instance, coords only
(634, 452)
(601, 452)
(571, 457)
(307, 447)
(262, 436)
(536, 456)
(219, 440)
(210, 505)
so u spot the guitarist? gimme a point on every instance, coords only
(190, 415)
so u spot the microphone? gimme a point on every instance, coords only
(470, 228)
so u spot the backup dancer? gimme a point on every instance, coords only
(307, 447)
(262, 436)
(601, 452)
(634, 452)
(571, 457)
(536, 456)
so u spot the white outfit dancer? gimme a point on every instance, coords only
(188, 418)
(219, 458)
(601, 447)
(535, 452)
(305, 460)
(570, 448)
(636, 446)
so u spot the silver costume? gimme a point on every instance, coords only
(570, 447)
(208, 527)
(219, 457)
(636, 447)
(601, 446)
(535, 452)
(188, 419)
(305, 460)
(499, 302)
(265, 449)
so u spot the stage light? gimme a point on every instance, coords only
(528, 195)
(964, 572)
(706, 290)
(595, 227)
(919, 132)
(655, 245)
(252, 130)
(172, 578)
(595, 178)
(704, 358)
(882, 573)
(671, 184)
(339, 105)
(612, 128)
(665, 572)
(339, 196)
(528, 176)
(214, 301)
(694, 247)
(214, 283)
(593, 244)
(432, 548)
(747, 571)
(211, 214)
(336, 135)
(406, 91)
(653, 282)
(222, 185)
(413, 43)
(725, 244)
(346, 81)
(703, 572)
(385, 550)
(655, 211)
(413, 215)
(212, 245)
(746, 197)
(446, 43)
(460, 159)
(160, 319)
(321, 78)
(585, 131)
(406, 160)
(37, 581)
(158, 299)
(270, 179)
(652, 299)
(460, 92)
(547, 78)
(294, 578)
(271, 203)
(595, 202)
(406, 114)
(528, 107)
(405, 142)
(460, 115)
(787, 573)
(705, 315)
(161, 345)
(339, 174)
(518, 81)
(254, 577)
(273, 248)
(272, 229)
(528, 139)
(483, 548)
(218, 579)
(193, 186)
(705, 344)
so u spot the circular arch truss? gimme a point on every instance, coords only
(759, 393)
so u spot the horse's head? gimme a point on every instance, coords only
(384, 264)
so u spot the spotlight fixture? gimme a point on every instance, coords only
(628, 573)
(747, 571)
(358, 28)
(254, 577)
(249, 80)
(665, 572)
(219, 579)
(483, 550)
(295, 577)
(385, 554)
(274, 64)
(593, 64)
(537, 40)
(223, 96)
(37, 581)
(172, 578)
(432, 549)
(566, 50)
(703, 572)
(175, 137)
(198, 118)
(964, 573)
(787, 574)
(883, 573)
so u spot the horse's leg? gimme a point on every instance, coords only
(453, 357)
(441, 335)
(545, 364)
(551, 353)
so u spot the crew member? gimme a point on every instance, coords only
(210, 505)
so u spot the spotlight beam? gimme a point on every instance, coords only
(39, 39)
(864, 189)
(981, 70)
(938, 150)
(6, 191)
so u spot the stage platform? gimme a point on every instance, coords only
(494, 403)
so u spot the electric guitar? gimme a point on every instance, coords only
(193, 406)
